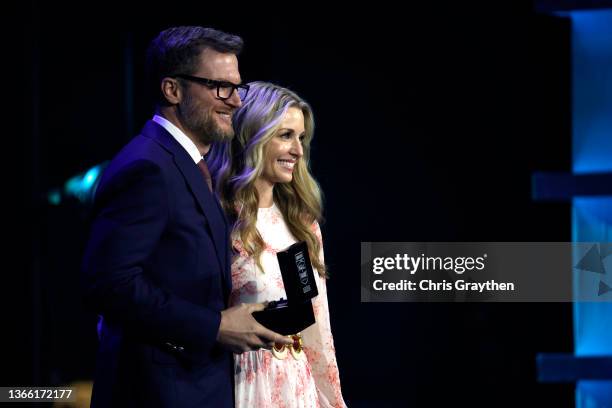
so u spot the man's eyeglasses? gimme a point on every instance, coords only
(224, 89)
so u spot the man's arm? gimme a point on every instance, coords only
(133, 213)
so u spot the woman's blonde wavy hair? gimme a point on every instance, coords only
(235, 165)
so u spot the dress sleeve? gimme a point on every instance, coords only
(319, 345)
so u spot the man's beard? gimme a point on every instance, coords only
(202, 125)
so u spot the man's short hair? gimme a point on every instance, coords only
(176, 50)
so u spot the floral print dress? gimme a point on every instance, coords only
(261, 379)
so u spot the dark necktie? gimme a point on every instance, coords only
(206, 173)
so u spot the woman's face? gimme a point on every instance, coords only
(283, 151)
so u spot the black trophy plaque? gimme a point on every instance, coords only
(294, 314)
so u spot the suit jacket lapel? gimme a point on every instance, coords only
(206, 200)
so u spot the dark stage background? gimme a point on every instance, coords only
(430, 122)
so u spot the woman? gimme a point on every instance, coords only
(264, 184)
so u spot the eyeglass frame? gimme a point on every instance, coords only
(211, 83)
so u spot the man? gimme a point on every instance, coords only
(157, 267)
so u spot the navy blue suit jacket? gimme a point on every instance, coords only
(157, 268)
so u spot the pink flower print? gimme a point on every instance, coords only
(270, 250)
(279, 283)
(275, 217)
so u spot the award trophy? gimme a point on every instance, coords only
(294, 314)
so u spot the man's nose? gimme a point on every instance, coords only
(234, 99)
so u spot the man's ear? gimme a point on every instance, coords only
(171, 90)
